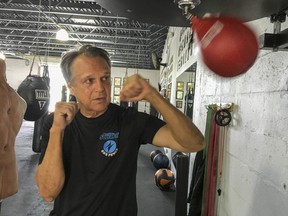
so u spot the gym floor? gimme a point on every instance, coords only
(27, 202)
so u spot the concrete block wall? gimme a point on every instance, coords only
(256, 156)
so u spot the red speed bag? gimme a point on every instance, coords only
(227, 46)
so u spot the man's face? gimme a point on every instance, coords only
(91, 84)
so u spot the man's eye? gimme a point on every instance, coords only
(89, 81)
(106, 79)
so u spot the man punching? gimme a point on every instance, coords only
(12, 109)
(88, 162)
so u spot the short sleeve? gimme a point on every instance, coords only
(149, 125)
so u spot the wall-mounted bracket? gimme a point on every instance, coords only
(222, 114)
(187, 5)
(278, 40)
(219, 106)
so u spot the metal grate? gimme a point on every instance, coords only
(28, 27)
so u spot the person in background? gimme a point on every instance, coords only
(12, 111)
(89, 148)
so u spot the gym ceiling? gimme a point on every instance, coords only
(28, 28)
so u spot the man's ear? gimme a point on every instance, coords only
(70, 87)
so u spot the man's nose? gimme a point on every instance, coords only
(98, 85)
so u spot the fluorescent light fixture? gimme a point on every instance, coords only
(82, 21)
(121, 62)
(62, 35)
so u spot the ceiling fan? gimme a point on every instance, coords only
(157, 61)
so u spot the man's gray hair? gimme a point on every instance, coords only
(87, 50)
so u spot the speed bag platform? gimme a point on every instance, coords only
(35, 91)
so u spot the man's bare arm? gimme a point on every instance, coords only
(179, 133)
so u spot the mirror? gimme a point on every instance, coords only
(185, 89)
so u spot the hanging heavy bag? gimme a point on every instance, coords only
(227, 46)
(38, 125)
(35, 91)
(188, 106)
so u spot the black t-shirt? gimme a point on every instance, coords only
(100, 161)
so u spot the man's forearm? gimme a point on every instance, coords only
(50, 174)
(181, 127)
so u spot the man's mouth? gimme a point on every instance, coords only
(99, 98)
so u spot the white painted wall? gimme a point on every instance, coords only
(16, 71)
(256, 158)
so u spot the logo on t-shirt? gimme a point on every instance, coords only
(109, 146)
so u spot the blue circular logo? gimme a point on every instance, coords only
(110, 146)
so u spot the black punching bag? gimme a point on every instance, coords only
(188, 106)
(35, 91)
